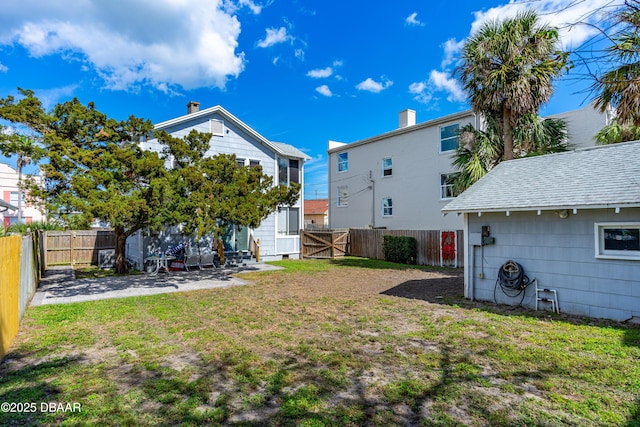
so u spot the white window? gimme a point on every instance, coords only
(15, 196)
(288, 171)
(343, 195)
(387, 206)
(216, 127)
(446, 186)
(241, 162)
(343, 162)
(449, 137)
(254, 163)
(289, 221)
(618, 240)
(387, 166)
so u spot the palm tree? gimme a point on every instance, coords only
(482, 150)
(27, 151)
(616, 132)
(508, 68)
(620, 87)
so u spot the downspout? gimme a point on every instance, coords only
(469, 264)
(373, 200)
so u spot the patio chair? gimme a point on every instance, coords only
(192, 257)
(206, 258)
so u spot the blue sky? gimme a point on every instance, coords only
(300, 72)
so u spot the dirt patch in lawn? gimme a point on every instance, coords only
(431, 286)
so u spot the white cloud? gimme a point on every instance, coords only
(324, 90)
(274, 36)
(256, 9)
(574, 19)
(445, 82)
(51, 97)
(421, 92)
(177, 44)
(299, 53)
(320, 73)
(371, 85)
(451, 49)
(323, 73)
(412, 21)
(3, 68)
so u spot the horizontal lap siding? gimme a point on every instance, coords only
(560, 253)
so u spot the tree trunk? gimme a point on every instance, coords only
(121, 261)
(508, 133)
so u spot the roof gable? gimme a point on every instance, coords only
(595, 177)
(279, 148)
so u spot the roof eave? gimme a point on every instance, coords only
(543, 208)
(400, 131)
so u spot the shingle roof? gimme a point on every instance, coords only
(595, 177)
(289, 150)
(315, 207)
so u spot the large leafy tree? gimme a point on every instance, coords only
(508, 69)
(95, 168)
(620, 86)
(214, 192)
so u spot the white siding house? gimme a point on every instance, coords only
(396, 180)
(571, 220)
(278, 233)
(9, 192)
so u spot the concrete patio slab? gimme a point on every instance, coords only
(59, 286)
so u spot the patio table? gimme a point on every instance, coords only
(160, 262)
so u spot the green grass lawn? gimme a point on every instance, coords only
(318, 345)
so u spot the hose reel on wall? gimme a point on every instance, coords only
(512, 280)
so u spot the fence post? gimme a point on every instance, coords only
(301, 244)
(333, 245)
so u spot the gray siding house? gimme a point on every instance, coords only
(571, 220)
(278, 233)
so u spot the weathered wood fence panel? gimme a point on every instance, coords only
(10, 251)
(76, 246)
(367, 243)
(324, 244)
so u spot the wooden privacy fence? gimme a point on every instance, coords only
(367, 243)
(324, 244)
(76, 246)
(19, 276)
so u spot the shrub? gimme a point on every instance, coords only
(34, 226)
(400, 249)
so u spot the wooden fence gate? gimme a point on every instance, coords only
(76, 246)
(324, 244)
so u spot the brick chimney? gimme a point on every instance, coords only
(407, 118)
(193, 107)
